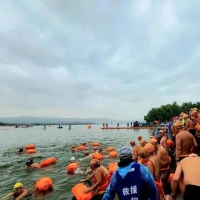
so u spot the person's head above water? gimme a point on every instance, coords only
(139, 138)
(29, 162)
(18, 189)
(100, 149)
(72, 159)
(86, 153)
(94, 163)
(21, 150)
(125, 153)
(132, 143)
(73, 146)
(18, 185)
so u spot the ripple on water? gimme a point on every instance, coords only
(54, 142)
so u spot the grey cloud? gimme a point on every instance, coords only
(88, 59)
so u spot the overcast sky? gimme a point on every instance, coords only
(97, 58)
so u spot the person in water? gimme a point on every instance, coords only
(78, 170)
(143, 143)
(142, 159)
(189, 125)
(153, 161)
(101, 178)
(164, 161)
(188, 168)
(131, 180)
(185, 142)
(135, 150)
(21, 151)
(163, 138)
(18, 193)
(74, 148)
(30, 164)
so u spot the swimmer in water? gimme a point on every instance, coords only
(21, 151)
(19, 192)
(78, 170)
(74, 148)
(100, 151)
(30, 164)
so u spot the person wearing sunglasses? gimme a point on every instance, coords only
(18, 193)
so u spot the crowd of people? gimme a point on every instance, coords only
(171, 156)
(164, 167)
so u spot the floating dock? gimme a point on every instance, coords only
(127, 128)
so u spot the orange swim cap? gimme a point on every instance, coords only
(198, 127)
(141, 150)
(94, 162)
(149, 148)
(139, 137)
(152, 141)
(177, 124)
(170, 143)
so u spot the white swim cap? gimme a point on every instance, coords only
(72, 159)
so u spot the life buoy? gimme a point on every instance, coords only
(110, 149)
(112, 167)
(44, 183)
(29, 151)
(97, 156)
(113, 154)
(30, 146)
(78, 192)
(81, 147)
(95, 144)
(48, 162)
(72, 167)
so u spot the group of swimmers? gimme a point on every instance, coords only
(171, 159)
(175, 153)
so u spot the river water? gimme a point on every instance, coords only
(54, 142)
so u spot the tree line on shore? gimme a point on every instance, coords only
(167, 112)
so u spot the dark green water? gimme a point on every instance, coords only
(54, 142)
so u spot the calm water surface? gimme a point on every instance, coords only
(54, 142)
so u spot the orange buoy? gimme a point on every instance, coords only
(113, 154)
(170, 143)
(110, 149)
(112, 167)
(81, 147)
(72, 167)
(170, 178)
(89, 126)
(97, 156)
(30, 146)
(48, 161)
(44, 183)
(29, 151)
(95, 144)
(78, 192)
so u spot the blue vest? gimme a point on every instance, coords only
(131, 186)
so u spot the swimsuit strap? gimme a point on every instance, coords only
(153, 168)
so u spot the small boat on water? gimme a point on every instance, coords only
(59, 126)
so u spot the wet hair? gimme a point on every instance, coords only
(21, 150)
(29, 162)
